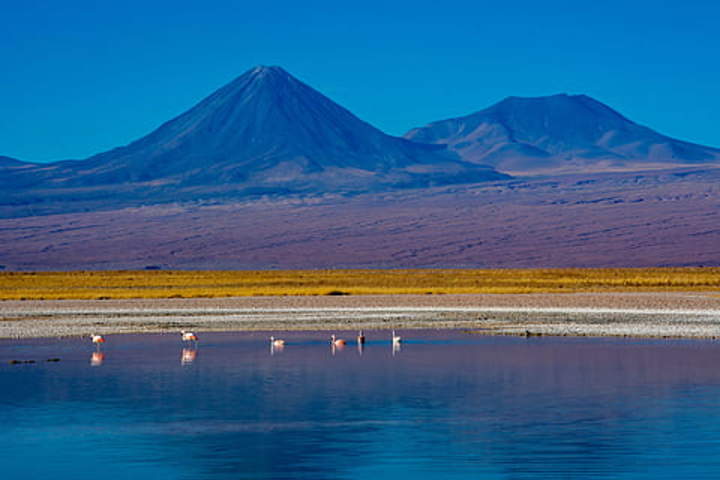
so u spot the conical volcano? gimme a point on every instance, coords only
(266, 131)
(559, 133)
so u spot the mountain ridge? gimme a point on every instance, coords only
(559, 134)
(255, 176)
(263, 132)
(12, 162)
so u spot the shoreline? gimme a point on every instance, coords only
(656, 315)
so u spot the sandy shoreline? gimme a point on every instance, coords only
(675, 314)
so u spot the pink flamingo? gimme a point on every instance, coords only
(189, 337)
(97, 340)
(338, 342)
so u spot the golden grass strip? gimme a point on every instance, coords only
(195, 284)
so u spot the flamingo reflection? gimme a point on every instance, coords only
(97, 359)
(188, 356)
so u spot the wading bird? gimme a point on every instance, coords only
(276, 345)
(360, 338)
(97, 340)
(338, 342)
(189, 337)
(395, 338)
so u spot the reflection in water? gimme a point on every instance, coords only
(457, 406)
(97, 359)
(188, 356)
(395, 348)
(337, 347)
(361, 348)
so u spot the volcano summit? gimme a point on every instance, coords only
(268, 173)
(264, 133)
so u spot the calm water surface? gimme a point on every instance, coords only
(448, 405)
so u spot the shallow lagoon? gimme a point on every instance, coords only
(447, 405)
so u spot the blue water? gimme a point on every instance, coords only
(447, 405)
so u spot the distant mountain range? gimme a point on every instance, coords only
(268, 133)
(268, 173)
(560, 134)
(265, 132)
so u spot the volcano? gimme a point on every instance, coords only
(265, 132)
(560, 134)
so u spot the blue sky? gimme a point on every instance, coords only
(79, 77)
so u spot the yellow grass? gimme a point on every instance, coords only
(192, 284)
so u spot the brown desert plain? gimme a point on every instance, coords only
(648, 219)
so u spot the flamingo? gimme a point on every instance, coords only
(360, 342)
(189, 337)
(276, 344)
(338, 342)
(97, 340)
(396, 342)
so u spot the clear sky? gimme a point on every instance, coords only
(81, 76)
